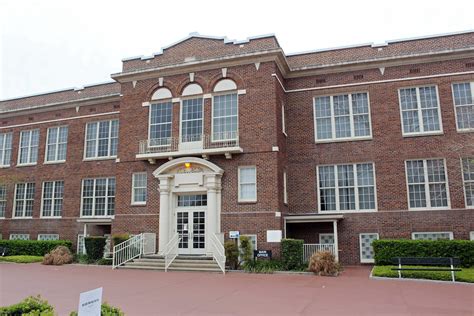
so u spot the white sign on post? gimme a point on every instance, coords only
(234, 234)
(90, 303)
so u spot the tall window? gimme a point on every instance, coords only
(5, 149)
(247, 184)
(468, 179)
(3, 200)
(29, 147)
(427, 184)
(161, 116)
(420, 110)
(347, 188)
(102, 139)
(342, 117)
(191, 120)
(464, 104)
(53, 194)
(225, 117)
(139, 185)
(98, 197)
(56, 144)
(24, 200)
(283, 119)
(285, 189)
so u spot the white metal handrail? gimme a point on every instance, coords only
(218, 252)
(128, 250)
(171, 250)
(310, 249)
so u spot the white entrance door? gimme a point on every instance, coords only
(191, 227)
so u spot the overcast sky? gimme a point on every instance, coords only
(51, 45)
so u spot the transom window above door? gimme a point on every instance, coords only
(192, 200)
(342, 117)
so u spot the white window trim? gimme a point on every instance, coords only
(360, 248)
(94, 197)
(25, 164)
(96, 157)
(133, 202)
(283, 119)
(191, 97)
(338, 211)
(324, 234)
(427, 189)
(464, 184)
(52, 200)
(2, 158)
(5, 214)
(10, 237)
(419, 112)
(451, 235)
(38, 237)
(471, 235)
(333, 139)
(212, 115)
(285, 187)
(157, 102)
(239, 199)
(24, 204)
(461, 130)
(56, 145)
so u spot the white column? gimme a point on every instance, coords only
(212, 220)
(336, 247)
(164, 229)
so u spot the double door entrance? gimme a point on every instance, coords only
(191, 227)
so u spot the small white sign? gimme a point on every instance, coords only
(273, 235)
(234, 234)
(90, 303)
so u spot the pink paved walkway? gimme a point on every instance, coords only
(181, 293)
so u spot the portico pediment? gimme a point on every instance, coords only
(187, 165)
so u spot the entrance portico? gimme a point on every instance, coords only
(190, 203)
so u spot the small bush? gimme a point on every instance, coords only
(104, 262)
(245, 249)
(291, 253)
(105, 310)
(95, 247)
(119, 238)
(32, 247)
(262, 266)
(59, 256)
(22, 259)
(323, 263)
(386, 249)
(231, 254)
(30, 306)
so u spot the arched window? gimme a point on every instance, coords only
(161, 93)
(192, 89)
(192, 114)
(225, 111)
(161, 118)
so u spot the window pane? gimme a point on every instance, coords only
(462, 93)
(225, 117)
(327, 177)
(408, 99)
(161, 123)
(465, 116)
(328, 199)
(191, 120)
(417, 195)
(415, 171)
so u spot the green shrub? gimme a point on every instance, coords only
(466, 275)
(104, 262)
(95, 247)
(32, 247)
(262, 266)
(245, 249)
(292, 253)
(231, 254)
(105, 310)
(387, 249)
(119, 238)
(30, 306)
(22, 259)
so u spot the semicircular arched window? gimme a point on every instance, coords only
(225, 85)
(225, 111)
(192, 89)
(162, 93)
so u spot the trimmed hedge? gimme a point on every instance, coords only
(291, 253)
(95, 247)
(387, 249)
(32, 247)
(119, 238)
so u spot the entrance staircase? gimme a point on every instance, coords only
(181, 263)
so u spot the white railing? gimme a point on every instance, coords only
(310, 249)
(218, 251)
(128, 250)
(171, 250)
(189, 143)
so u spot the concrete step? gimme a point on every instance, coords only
(142, 264)
(149, 260)
(140, 267)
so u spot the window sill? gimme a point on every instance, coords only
(247, 202)
(423, 134)
(99, 158)
(4, 166)
(138, 204)
(340, 140)
(24, 217)
(54, 162)
(465, 130)
(444, 208)
(51, 217)
(347, 212)
(26, 165)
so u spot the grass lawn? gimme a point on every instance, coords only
(21, 259)
(466, 275)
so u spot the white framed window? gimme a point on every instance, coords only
(56, 144)
(419, 111)
(46, 237)
(366, 249)
(81, 246)
(467, 165)
(29, 141)
(225, 117)
(432, 236)
(24, 200)
(98, 197)
(192, 112)
(342, 117)
(427, 184)
(5, 149)
(464, 105)
(139, 188)
(52, 199)
(160, 125)
(346, 188)
(285, 187)
(471, 235)
(326, 238)
(247, 184)
(101, 139)
(283, 119)
(3, 200)
(19, 236)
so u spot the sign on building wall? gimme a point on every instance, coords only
(90, 303)
(234, 234)
(273, 235)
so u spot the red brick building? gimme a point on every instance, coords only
(337, 147)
